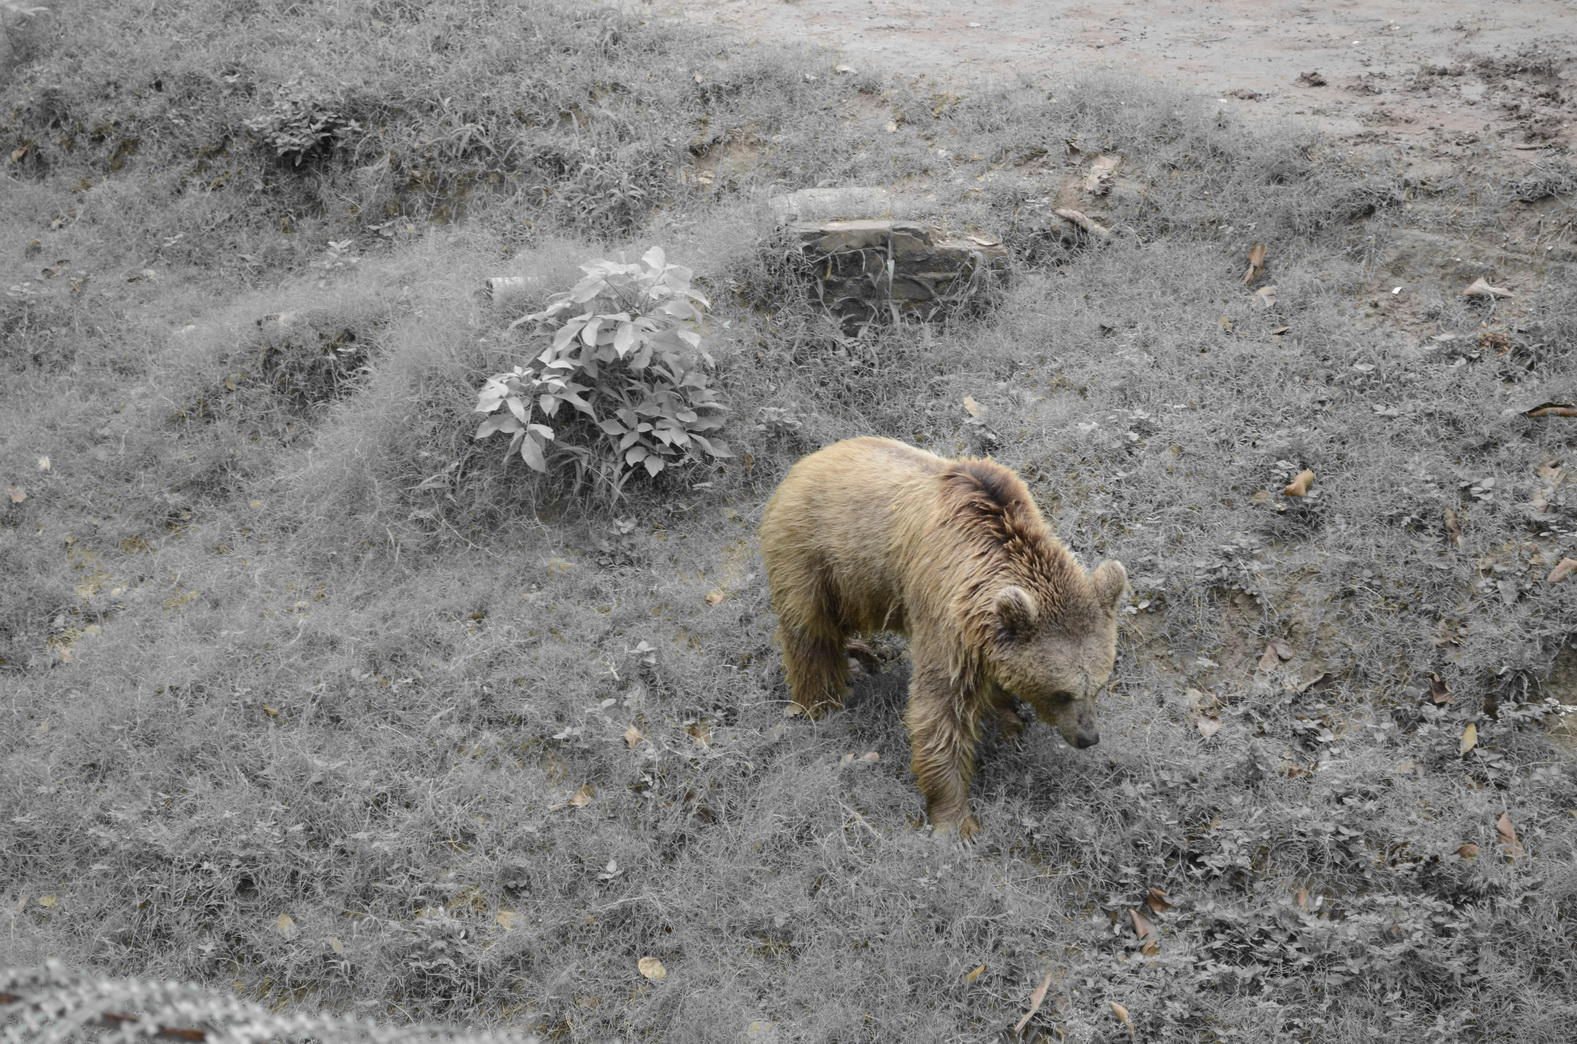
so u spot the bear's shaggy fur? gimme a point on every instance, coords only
(874, 535)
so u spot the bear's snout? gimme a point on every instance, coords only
(1086, 739)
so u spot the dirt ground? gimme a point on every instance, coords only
(1456, 90)
(1433, 77)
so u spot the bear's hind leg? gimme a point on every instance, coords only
(816, 666)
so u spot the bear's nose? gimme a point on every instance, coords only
(1087, 739)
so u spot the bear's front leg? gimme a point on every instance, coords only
(816, 666)
(944, 728)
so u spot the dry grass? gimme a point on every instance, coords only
(309, 695)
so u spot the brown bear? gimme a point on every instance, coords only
(874, 535)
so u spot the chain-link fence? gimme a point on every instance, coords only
(54, 1005)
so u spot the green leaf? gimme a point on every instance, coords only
(568, 333)
(588, 333)
(654, 464)
(612, 425)
(590, 287)
(518, 408)
(502, 422)
(655, 258)
(570, 394)
(531, 452)
(624, 339)
(542, 430)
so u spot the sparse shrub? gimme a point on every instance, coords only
(779, 421)
(631, 367)
(301, 125)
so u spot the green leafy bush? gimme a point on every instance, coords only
(632, 370)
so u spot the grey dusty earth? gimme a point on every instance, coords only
(1455, 91)
(1437, 79)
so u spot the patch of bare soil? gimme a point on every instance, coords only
(1456, 90)
(1433, 75)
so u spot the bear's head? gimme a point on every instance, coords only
(1056, 658)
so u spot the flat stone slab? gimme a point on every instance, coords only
(867, 269)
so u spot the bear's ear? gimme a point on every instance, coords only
(1110, 579)
(1016, 611)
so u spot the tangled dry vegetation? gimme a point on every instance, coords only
(310, 696)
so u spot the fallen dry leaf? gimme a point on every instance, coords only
(582, 797)
(272, 712)
(1552, 409)
(1549, 470)
(1149, 939)
(715, 596)
(1122, 1014)
(1256, 264)
(1319, 679)
(1439, 691)
(1453, 528)
(1481, 288)
(1509, 842)
(652, 968)
(285, 925)
(1266, 295)
(1098, 180)
(975, 973)
(1208, 724)
(1468, 851)
(1299, 486)
(506, 919)
(971, 406)
(1156, 901)
(1469, 738)
(1036, 999)
(16, 493)
(701, 732)
(1276, 653)
(1562, 570)
(1301, 897)
(632, 737)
